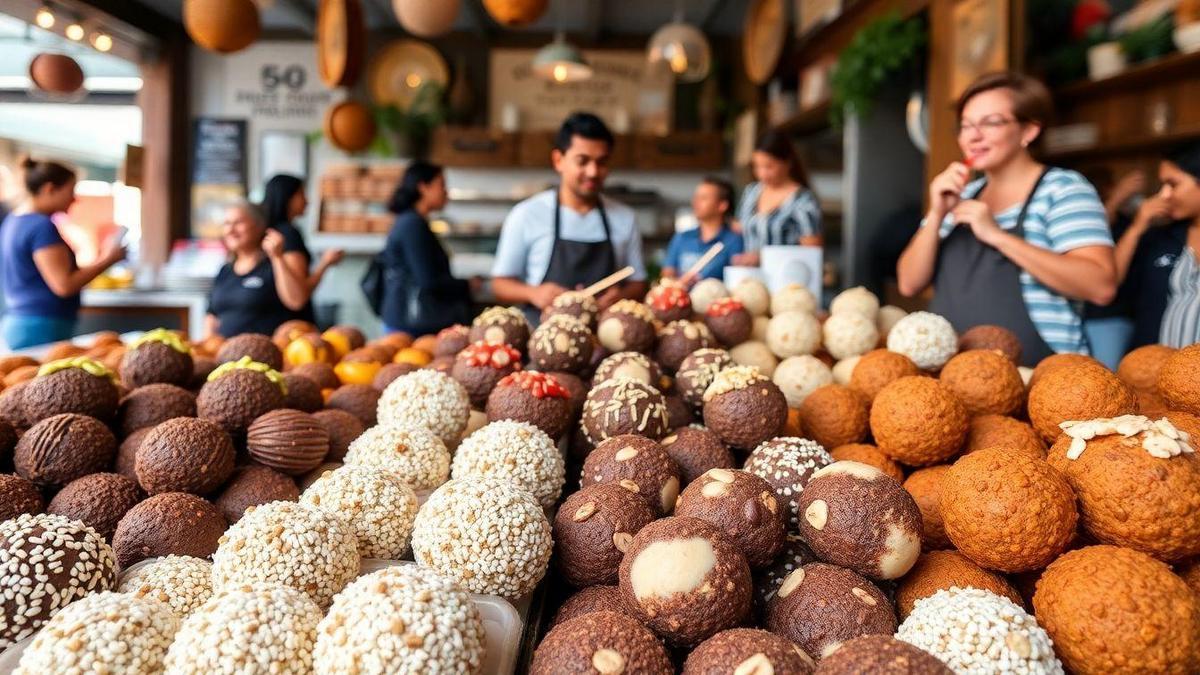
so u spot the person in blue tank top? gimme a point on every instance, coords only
(42, 279)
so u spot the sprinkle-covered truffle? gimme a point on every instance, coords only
(427, 398)
(502, 326)
(624, 406)
(787, 464)
(514, 451)
(414, 454)
(633, 365)
(697, 371)
(379, 506)
(183, 582)
(576, 304)
(562, 342)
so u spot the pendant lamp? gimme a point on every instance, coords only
(682, 48)
(561, 62)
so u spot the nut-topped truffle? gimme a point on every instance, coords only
(562, 343)
(158, 356)
(173, 523)
(64, 447)
(514, 451)
(788, 464)
(743, 506)
(593, 530)
(536, 398)
(747, 651)
(501, 326)
(239, 391)
(427, 398)
(289, 441)
(880, 654)
(637, 463)
(574, 303)
(680, 338)
(633, 365)
(744, 407)
(696, 450)
(75, 385)
(697, 371)
(669, 301)
(820, 606)
(378, 505)
(415, 454)
(627, 326)
(624, 406)
(608, 643)
(185, 454)
(480, 365)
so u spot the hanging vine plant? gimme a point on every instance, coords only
(879, 51)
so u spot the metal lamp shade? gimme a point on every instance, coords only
(561, 62)
(683, 49)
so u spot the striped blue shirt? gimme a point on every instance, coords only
(1181, 321)
(798, 216)
(1064, 214)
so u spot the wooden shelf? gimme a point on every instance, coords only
(808, 121)
(1168, 68)
(1132, 145)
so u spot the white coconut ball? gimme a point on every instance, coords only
(417, 455)
(799, 376)
(849, 335)
(887, 318)
(857, 300)
(793, 298)
(927, 339)
(757, 354)
(753, 295)
(842, 370)
(517, 452)
(377, 504)
(706, 292)
(759, 330)
(793, 333)
(429, 399)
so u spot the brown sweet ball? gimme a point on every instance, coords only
(61, 448)
(100, 500)
(638, 464)
(1007, 511)
(986, 382)
(678, 339)
(1177, 381)
(633, 365)
(452, 340)
(1140, 369)
(938, 570)
(185, 454)
(442, 364)
(79, 385)
(575, 304)
(624, 406)
(159, 356)
(17, 496)
(746, 651)
(835, 415)
(389, 373)
(1072, 393)
(917, 421)
(988, 431)
(593, 530)
(925, 486)
(126, 460)
(1130, 494)
(994, 339)
(743, 506)
(173, 523)
(237, 393)
(480, 365)
(576, 390)
(879, 368)
(561, 343)
(289, 441)
(360, 400)
(258, 347)
(591, 599)
(870, 455)
(254, 485)
(201, 367)
(744, 408)
(696, 450)
(342, 428)
(302, 393)
(820, 606)
(697, 371)
(679, 413)
(669, 301)
(152, 404)
(1055, 361)
(686, 580)
(729, 321)
(319, 372)
(501, 325)
(602, 642)
(880, 655)
(12, 362)
(536, 398)
(1113, 610)
(12, 408)
(794, 555)
(1190, 573)
(857, 517)
(290, 330)
(627, 326)
(787, 463)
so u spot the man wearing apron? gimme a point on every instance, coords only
(569, 237)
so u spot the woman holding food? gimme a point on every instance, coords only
(779, 208)
(1021, 245)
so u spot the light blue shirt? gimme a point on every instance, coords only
(527, 237)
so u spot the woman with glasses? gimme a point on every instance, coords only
(1022, 245)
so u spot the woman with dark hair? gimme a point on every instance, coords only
(283, 202)
(1158, 256)
(420, 296)
(42, 281)
(779, 208)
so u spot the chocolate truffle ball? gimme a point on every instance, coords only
(17, 496)
(669, 301)
(697, 371)
(389, 373)
(12, 407)
(378, 505)
(795, 554)
(881, 654)
(320, 372)
(202, 367)
(415, 454)
(152, 404)
(185, 454)
(638, 464)
(288, 441)
(601, 642)
(64, 447)
(254, 485)
(729, 321)
(857, 517)
(679, 413)
(575, 304)
(820, 606)
(680, 338)
(993, 338)
(576, 389)
(452, 340)
(157, 357)
(99, 500)
(686, 580)
(741, 505)
(788, 463)
(563, 343)
(360, 400)
(627, 326)
(533, 397)
(46, 563)
(126, 461)
(480, 365)
(501, 326)
(302, 394)
(429, 399)
(624, 406)
(342, 428)
(171, 523)
(591, 599)
(744, 407)
(633, 365)
(238, 393)
(78, 385)
(747, 650)
(594, 528)
(696, 450)
(259, 348)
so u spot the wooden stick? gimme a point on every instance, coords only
(700, 264)
(614, 278)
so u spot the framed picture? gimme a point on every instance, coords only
(283, 152)
(980, 41)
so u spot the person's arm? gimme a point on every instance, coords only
(298, 263)
(670, 266)
(1154, 208)
(292, 289)
(211, 325)
(55, 262)
(508, 270)
(1129, 185)
(915, 268)
(806, 212)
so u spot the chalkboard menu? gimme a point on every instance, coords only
(218, 171)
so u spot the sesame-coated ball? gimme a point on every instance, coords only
(927, 339)
(426, 398)
(917, 421)
(414, 454)
(793, 297)
(851, 334)
(183, 582)
(501, 543)
(793, 334)
(514, 451)
(377, 504)
(321, 551)
(799, 376)
(787, 464)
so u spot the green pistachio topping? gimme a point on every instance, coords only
(245, 363)
(87, 365)
(166, 337)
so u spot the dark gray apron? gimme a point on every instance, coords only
(576, 263)
(974, 284)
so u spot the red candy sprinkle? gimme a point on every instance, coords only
(725, 307)
(486, 354)
(540, 385)
(669, 297)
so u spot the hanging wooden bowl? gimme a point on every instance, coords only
(401, 68)
(764, 36)
(56, 73)
(426, 19)
(514, 13)
(341, 42)
(222, 26)
(349, 126)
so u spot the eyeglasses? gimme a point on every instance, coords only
(986, 125)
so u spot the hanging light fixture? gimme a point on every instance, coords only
(44, 17)
(682, 48)
(561, 62)
(74, 31)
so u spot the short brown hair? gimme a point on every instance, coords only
(1032, 103)
(724, 189)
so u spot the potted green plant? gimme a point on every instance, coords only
(406, 132)
(879, 51)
